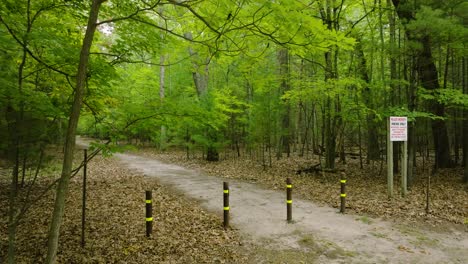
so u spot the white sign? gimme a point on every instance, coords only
(398, 128)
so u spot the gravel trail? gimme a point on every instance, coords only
(259, 215)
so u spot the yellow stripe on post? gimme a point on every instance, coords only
(226, 205)
(149, 212)
(343, 193)
(288, 200)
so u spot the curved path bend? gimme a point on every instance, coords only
(259, 214)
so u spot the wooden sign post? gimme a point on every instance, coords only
(397, 131)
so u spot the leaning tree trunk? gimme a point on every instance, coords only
(62, 187)
(430, 80)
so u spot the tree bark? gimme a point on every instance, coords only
(62, 188)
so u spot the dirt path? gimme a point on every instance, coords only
(259, 214)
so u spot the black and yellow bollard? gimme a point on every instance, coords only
(226, 204)
(149, 213)
(288, 199)
(343, 193)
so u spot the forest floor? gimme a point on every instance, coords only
(188, 215)
(401, 232)
(183, 231)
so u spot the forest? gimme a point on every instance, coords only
(261, 80)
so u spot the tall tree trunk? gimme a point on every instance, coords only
(394, 92)
(162, 75)
(12, 118)
(465, 124)
(62, 188)
(200, 75)
(333, 121)
(283, 59)
(330, 129)
(465, 146)
(430, 80)
(330, 138)
(373, 151)
(16, 137)
(411, 125)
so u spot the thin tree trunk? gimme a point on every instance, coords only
(62, 188)
(283, 59)
(465, 124)
(17, 133)
(412, 79)
(162, 75)
(394, 91)
(23, 170)
(12, 215)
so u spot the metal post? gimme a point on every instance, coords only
(149, 213)
(343, 193)
(83, 207)
(404, 169)
(289, 199)
(226, 204)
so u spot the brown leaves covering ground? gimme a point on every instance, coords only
(183, 232)
(366, 189)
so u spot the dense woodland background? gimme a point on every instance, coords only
(265, 79)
